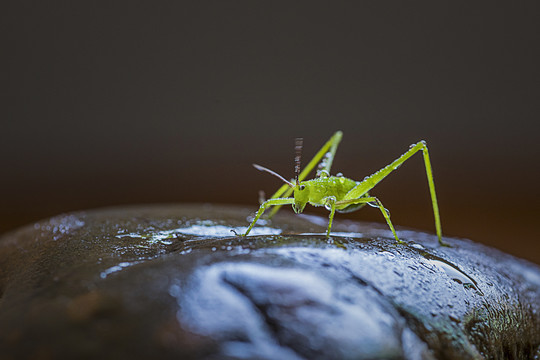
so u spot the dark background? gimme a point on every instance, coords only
(109, 104)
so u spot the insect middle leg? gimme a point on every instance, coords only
(364, 200)
(264, 206)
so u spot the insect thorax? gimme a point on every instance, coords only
(322, 187)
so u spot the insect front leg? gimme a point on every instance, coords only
(264, 206)
(378, 203)
(330, 202)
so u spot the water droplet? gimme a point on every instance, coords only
(175, 290)
(323, 173)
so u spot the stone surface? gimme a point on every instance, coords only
(174, 282)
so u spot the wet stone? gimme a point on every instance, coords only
(175, 282)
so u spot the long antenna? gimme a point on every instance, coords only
(298, 143)
(262, 168)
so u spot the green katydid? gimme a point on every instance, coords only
(338, 193)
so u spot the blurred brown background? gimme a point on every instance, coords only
(108, 104)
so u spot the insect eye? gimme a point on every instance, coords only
(302, 187)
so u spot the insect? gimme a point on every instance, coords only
(338, 193)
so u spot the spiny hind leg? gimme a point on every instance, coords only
(373, 200)
(371, 181)
(325, 164)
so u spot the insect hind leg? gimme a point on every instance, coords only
(330, 147)
(371, 181)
